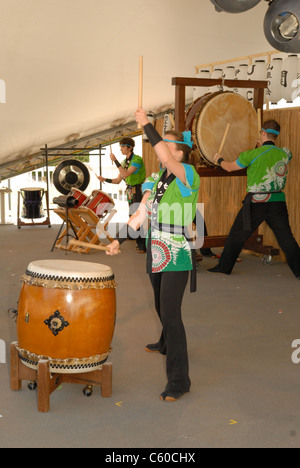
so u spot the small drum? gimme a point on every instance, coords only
(100, 203)
(32, 203)
(208, 117)
(80, 196)
(66, 313)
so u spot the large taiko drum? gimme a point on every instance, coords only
(100, 203)
(208, 118)
(66, 313)
(32, 203)
(79, 195)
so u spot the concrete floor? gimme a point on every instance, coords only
(245, 388)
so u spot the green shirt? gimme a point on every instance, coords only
(172, 252)
(139, 175)
(267, 169)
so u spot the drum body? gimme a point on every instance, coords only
(100, 203)
(66, 313)
(208, 118)
(32, 203)
(80, 196)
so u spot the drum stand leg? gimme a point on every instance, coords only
(47, 382)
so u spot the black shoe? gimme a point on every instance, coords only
(165, 396)
(217, 269)
(152, 348)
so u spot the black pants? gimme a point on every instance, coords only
(169, 289)
(276, 216)
(137, 198)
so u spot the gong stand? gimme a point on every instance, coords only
(255, 243)
(67, 221)
(61, 153)
(67, 224)
(47, 382)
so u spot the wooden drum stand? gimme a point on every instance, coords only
(46, 383)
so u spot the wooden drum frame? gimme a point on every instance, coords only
(208, 118)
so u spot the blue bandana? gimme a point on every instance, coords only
(269, 130)
(187, 140)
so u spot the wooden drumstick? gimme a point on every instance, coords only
(140, 96)
(110, 149)
(172, 120)
(224, 139)
(91, 169)
(259, 120)
(76, 243)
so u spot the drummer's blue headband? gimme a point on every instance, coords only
(187, 139)
(270, 130)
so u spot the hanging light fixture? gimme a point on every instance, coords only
(2, 92)
(234, 6)
(282, 25)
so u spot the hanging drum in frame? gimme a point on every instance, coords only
(71, 174)
(208, 118)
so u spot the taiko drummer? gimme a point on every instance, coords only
(133, 171)
(169, 254)
(267, 169)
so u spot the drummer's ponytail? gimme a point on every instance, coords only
(194, 159)
(190, 155)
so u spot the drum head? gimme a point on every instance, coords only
(68, 270)
(100, 194)
(71, 174)
(208, 119)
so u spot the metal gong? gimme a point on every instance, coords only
(71, 174)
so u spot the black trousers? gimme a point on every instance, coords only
(168, 290)
(276, 216)
(137, 198)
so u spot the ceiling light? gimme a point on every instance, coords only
(234, 6)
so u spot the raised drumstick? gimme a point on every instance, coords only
(224, 139)
(259, 120)
(140, 96)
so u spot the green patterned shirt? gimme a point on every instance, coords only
(172, 252)
(267, 169)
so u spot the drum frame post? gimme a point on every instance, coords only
(47, 383)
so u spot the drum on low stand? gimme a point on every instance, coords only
(66, 320)
(100, 203)
(208, 118)
(78, 195)
(32, 207)
(66, 313)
